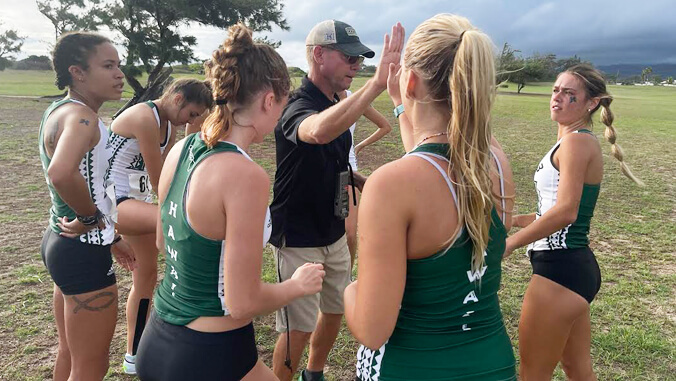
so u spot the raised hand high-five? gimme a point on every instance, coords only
(392, 48)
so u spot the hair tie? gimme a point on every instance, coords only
(221, 101)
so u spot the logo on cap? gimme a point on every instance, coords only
(329, 36)
(350, 31)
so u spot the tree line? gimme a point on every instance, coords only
(148, 29)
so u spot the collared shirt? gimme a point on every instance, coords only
(305, 181)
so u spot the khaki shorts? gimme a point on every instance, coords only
(302, 312)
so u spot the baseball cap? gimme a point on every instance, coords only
(340, 36)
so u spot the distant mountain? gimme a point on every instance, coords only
(630, 70)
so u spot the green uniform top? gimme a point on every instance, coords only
(450, 326)
(575, 235)
(94, 168)
(193, 279)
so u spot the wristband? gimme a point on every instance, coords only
(91, 220)
(398, 110)
(117, 239)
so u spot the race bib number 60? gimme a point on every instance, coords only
(139, 186)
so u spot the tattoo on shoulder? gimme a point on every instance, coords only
(96, 303)
(573, 99)
(84, 121)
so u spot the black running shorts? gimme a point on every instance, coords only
(170, 352)
(574, 269)
(77, 267)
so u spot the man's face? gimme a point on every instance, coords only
(338, 68)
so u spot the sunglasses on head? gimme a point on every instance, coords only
(349, 59)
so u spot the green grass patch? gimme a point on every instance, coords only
(633, 321)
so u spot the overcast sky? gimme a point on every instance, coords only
(601, 31)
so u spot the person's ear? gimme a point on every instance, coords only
(76, 73)
(268, 101)
(411, 82)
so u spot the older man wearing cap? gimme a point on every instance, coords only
(310, 190)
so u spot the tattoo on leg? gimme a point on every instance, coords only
(84, 121)
(573, 99)
(107, 299)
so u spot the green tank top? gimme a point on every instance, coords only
(546, 179)
(94, 168)
(450, 326)
(193, 278)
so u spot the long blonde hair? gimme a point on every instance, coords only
(238, 70)
(595, 87)
(456, 60)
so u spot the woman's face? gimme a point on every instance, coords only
(103, 78)
(186, 113)
(569, 103)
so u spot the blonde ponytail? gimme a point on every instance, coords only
(457, 62)
(471, 85)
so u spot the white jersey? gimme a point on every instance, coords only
(353, 156)
(127, 168)
(94, 168)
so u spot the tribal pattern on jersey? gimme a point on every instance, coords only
(94, 169)
(546, 179)
(127, 167)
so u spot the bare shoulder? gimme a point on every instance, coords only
(396, 179)
(74, 114)
(136, 117)
(580, 144)
(234, 166)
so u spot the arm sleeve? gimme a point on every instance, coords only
(294, 114)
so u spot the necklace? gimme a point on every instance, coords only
(429, 137)
(83, 98)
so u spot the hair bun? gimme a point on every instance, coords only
(240, 39)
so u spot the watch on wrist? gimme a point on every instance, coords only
(91, 220)
(398, 110)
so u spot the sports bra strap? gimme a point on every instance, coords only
(425, 155)
(502, 186)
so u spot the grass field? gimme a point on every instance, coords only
(633, 317)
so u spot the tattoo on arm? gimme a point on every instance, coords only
(52, 131)
(573, 99)
(84, 121)
(106, 299)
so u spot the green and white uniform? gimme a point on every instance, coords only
(94, 168)
(449, 326)
(575, 235)
(193, 279)
(127, 167)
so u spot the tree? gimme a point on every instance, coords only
(507, 63)
(564, 64)
(670, 80)
(514, 68)
(645, 74)
(151, 36)
(70, 15)
(10, 42)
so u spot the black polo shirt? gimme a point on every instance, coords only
(302, 206)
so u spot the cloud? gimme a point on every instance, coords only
(603, 31)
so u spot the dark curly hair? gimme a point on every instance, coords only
(73, 48)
